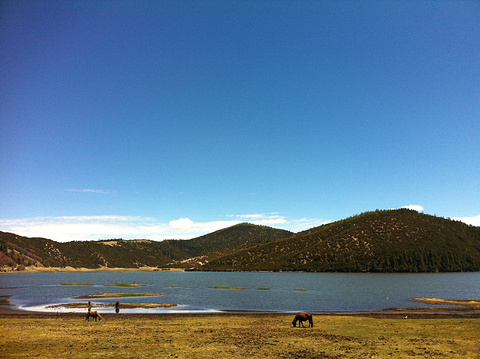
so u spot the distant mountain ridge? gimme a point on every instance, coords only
(380, 241)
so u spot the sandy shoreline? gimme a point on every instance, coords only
(411, 313)
(36, 269)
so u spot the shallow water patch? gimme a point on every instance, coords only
(111, 305)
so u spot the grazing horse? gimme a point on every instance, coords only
(302, 317)
(95, 315)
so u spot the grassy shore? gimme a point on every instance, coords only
(251, 335)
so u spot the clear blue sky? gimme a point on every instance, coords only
(170, 119)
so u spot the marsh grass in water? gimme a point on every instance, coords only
(224, 287)
(464, 304)
(117, 295)
(236, 336)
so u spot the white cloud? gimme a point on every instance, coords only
(474, 221)
(260, 219)
(182, 224)
(81, 228)
(415, 207)
(252, 216)
(191, 229)
(278, 221)
(298, 225)
(70, 228)
(89, 190)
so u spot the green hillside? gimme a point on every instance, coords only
(381, 241)
(18, 252)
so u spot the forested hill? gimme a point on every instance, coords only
(381, 241)
(228, 239)
(17, 252)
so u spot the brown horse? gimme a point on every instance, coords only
(95, 315)
(302, 317)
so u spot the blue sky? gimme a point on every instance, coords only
(171, 119)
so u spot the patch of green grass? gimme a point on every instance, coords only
(263, 288)
(301, 290)
(124, 285)
(224, 287)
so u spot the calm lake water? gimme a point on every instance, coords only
(286, 292)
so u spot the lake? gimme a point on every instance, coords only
(194, 292)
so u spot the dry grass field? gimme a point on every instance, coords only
(237, 336)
